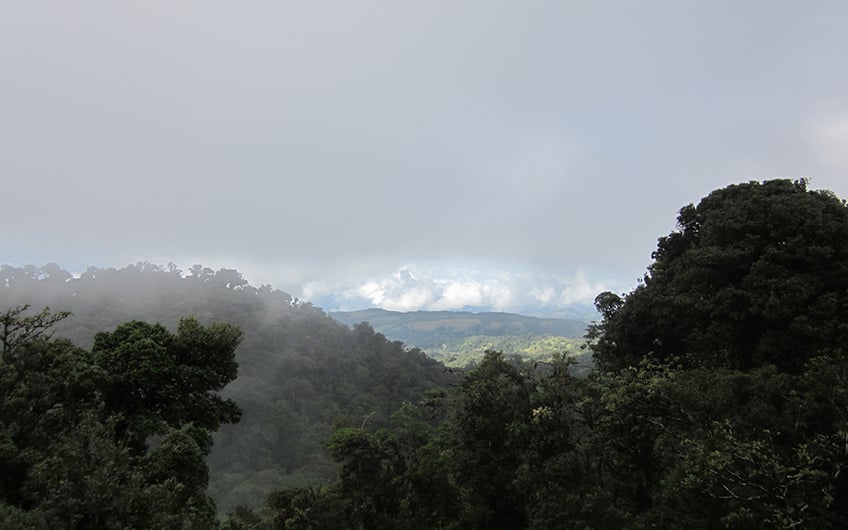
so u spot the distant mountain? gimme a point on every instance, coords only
(460, 338)
(428, 329)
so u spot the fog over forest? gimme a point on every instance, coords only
(710, 395)
(465, 155)
(449, 265)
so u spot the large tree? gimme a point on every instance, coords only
(756, 273)
(157, 380)
(112, 438)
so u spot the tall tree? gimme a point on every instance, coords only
(755, 273)
(75, 425)
(157, 380)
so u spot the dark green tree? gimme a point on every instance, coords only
(301, 373)
(75, 426)
(493, 411)
(157, 380)
(755, 273)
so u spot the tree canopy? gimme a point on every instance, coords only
(719, 400)
(112, 438)
(301, 373)
(755, 274)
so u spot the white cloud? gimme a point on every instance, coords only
(372, 291)
(458, 294)
(409, 300)
(543, 294)
(580, 290)
(414, 287)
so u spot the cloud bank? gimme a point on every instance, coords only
(433, 288)
(322, 147)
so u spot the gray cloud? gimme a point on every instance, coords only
(308, 141)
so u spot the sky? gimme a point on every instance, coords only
(485, 155)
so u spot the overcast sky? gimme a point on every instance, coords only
(517, 156)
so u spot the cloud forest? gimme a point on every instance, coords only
(155, 397)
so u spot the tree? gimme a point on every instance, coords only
(16, 328)
(157, 380)
(492, 416)
(76, 426)
(720, 373)
(45, 387)
(756, 273)
(301, 373)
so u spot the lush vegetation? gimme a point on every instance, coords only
(756, 274)
(301, 374)
(459, 339)
(652, 446)
(469, 351)
(719, 399)
(431, 330)
(115, 436)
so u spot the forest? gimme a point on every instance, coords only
(150, 397)
(301, 374)
(460, 338)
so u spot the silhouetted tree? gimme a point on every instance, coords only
(756, 273)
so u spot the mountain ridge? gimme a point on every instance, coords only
(412, 323)
(460, 338)
(301, 374)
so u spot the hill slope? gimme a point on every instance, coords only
(460, 338)
(301, 373)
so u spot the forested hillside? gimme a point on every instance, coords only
(719, 400)
(459, 338)
(115, 436)
(301, 374)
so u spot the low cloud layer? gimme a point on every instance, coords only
(416, 287)
(322, 147)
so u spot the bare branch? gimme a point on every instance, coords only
(15, 328)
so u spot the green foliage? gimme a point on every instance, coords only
(652, 446)
(87, 478)
(306, 508)
(167, 381)
(75, 425)
(755, 274)
(469, 351)
(460, 339)
(720, 401)
(301, 374)
(491, 429)
(429, 330)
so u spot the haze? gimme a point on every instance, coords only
(516, 156)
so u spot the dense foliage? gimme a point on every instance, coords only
(652, 446)
(432, 330)
(301, 374)
(756, 274)
(469, 352)
(115, 437)
(459, 338)
(720, 400)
